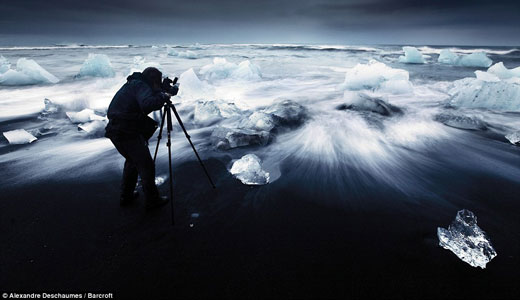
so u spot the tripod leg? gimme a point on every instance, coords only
(160, 134)
(169, 145)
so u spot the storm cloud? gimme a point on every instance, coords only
(232, 21)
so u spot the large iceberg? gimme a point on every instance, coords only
(19, 136)
(464, 238)
(477, 59)
(97, 65)
(412, 56)
(377, 76)
(222, 69)
(249, 170)
(27, 72)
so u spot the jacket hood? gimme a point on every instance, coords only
(135, 76)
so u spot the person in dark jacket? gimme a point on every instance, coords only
(129, 129)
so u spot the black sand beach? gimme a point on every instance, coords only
(273, 241)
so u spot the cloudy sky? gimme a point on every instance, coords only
(434, 22)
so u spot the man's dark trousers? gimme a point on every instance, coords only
(138, 162)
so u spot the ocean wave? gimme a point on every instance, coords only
(71, 46)
(430, 50)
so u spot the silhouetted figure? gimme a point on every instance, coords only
(129, 129)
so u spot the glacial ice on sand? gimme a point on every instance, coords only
(377, 76)
(208, 112)
(461, 121)
(249, 170)
(486, 92)
(97, 65)
(192, 88)
(225, 138)
(514, 138)
(363, 102)
(84, 116)
(19, 136)
(94, 128)
(466, 240)
(27, 72)
(502, 72)
(412, 56)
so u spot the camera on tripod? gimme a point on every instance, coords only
(170, 86)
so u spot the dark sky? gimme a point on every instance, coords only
(441, 22)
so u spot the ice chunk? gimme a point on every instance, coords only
(477, 59)
(247, 71)
(363, 102)
(461, 121)
(95, 128)
(4, 64)
(260, 121)
(287, 113)
(222, 69)
(226, 138)
(248, 169)
(514, 138)
(171, 51)
(502, 72)
(207, 112)
(188, 54)
(373, 75)
(485, 76)
(159, 180)
(448, 57)
(464, 238)
(191, 87)
(84, 116)
(97, 65)
(219, 69)
(19, 136)
(477, 93)
(27, 72)
(50, 107)
(411, 56)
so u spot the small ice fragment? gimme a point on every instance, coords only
(464, 238)
(249, 170)
(159, 180)
(19, 136)
(50, 107)
(195, 215)
(96, 127)
(514, 138)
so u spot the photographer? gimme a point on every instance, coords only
(129, 129)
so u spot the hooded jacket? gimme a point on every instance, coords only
(131, 105)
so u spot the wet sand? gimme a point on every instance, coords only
(288, 239)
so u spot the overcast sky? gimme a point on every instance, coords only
(433, 22)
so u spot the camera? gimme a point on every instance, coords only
(169, 86)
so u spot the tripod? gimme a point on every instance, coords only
(167, 115)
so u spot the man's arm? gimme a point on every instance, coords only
(147, 99)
